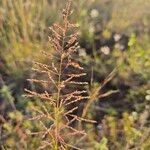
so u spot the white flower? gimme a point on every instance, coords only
(105, 50)
(148, 92)
(147, 97)
(94, 13)
(117, 37)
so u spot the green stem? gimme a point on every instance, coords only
(57, 115)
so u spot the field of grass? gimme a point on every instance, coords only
(75, 75)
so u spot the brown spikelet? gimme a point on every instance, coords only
(75, 65)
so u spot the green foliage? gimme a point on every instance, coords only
(102, 145)
(124, 133)
(6, 94)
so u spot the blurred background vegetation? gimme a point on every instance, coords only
(112, 34)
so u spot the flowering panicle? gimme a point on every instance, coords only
(61, 75)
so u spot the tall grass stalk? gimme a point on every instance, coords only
(65, 88)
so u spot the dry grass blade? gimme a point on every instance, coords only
(96, 92)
